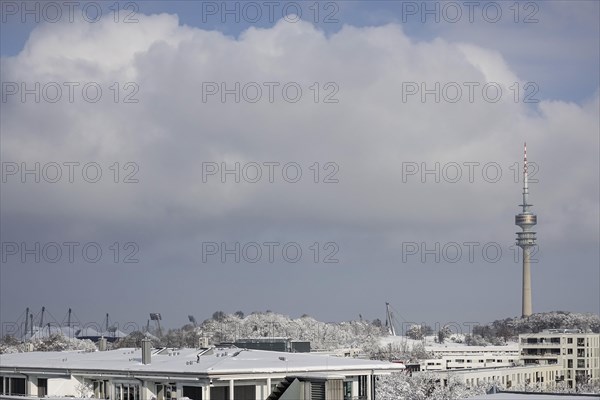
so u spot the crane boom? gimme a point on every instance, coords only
(390, 319)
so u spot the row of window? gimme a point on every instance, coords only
(489, 360)
(556, 340)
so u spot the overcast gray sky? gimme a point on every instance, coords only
(337, 97)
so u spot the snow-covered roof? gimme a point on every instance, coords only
(47, 331)
(221, 361)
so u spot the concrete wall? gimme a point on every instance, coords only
(61, 387)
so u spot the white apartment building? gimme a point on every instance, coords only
(575, 353)
(468, 357)
(543, 375)
(469, 361)
(545, 359)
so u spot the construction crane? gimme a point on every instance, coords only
(389, 320)
(42, 318)
(26, 320)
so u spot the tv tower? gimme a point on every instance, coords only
(526, 220)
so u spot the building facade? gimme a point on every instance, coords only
(543, 376)
(469, 357)
(577, 354)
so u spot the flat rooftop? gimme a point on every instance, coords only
(182, 361)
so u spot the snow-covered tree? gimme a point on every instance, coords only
(415, 332)
(425, 385)
(322, 335)
(55, 342)
(84, 389)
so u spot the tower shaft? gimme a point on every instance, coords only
(526, 297)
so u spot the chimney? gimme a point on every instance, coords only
(146, 351)
(102, 344)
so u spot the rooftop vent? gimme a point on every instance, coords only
(146, 351)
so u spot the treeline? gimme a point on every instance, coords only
(224, 327)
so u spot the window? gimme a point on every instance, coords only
(244, 392)
(17, 386)
(362, 386)
(347, 390)
(171, 391)
(219, 392)
(42, 387)
(569, 351)
(100, 389)
(127, 391)
(192, 392)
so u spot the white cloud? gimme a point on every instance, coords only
(369, 133)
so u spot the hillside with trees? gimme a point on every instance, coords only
(361, 334)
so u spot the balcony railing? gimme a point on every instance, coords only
(546, 344)
(540, 355)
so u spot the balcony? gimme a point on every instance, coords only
(542, 356)
(540, 344)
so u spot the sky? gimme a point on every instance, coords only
(318, 158)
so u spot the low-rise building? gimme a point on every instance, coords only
(467, 357)
(543, 376)
(199, 374)
(467, 361)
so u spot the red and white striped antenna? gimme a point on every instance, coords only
(525, 157)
